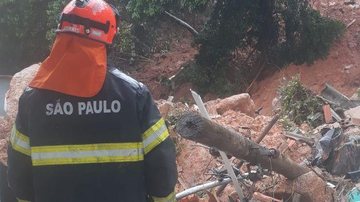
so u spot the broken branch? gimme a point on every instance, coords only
(183, 23)
(268, 128)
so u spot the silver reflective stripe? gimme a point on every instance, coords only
(154, 136)
(85, 154)
(20, 142)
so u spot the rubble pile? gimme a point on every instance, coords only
(331, 150)
(17, 85)
(341, 158)
(196, 164)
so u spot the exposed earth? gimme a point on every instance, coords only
(341, 68)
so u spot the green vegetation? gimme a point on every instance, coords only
(239, 38)
(23, 33)
(28, 28)
(140, 10)
(298, 104)
(273, 33)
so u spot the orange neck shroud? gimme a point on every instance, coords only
(76, 66)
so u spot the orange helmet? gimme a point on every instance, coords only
(94, 19)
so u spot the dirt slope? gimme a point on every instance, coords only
(341, 68)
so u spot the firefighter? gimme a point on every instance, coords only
(86, 132)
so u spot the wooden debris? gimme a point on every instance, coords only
(194, 127)
(268, 128)
(351, 23)
(327, 113)
(183, 23)
(299, 137)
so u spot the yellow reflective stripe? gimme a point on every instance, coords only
(155, 135)
(20, 200)
(86, 147)
(20, 142)
(156, 142)
(90, 153)
(154, 128)
(169, 198)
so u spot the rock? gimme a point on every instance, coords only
(5, 127)
(164, 107)
(17, 85)
(347, 67)
(191, 198)
(263, 198)
(211, 107)
(354, 114)
(356, 95)
(241, 102)
(3, 151)
(311, 187)
(276, 105)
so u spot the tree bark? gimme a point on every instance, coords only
(194, 127)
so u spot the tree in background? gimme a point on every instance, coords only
(265, 33)
(238, 40)
(23, 31)
(28, 28)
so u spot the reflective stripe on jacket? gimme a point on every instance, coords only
(108, 148)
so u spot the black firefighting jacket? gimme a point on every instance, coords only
(113, 147)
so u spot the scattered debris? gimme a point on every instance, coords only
(347, 2)
(214, 135)
(354, 195)
(351, 23)
(354, 115)
(327, 113)
(225, 159)
(326, 145)
(337, 99)
(354, 175)
(339, 140)
(299, 137)
(346, 155)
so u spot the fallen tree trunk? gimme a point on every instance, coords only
(194, 127)
(258, 140)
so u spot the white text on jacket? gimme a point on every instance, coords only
(83, 108)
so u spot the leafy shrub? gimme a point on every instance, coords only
(297, 102)
(141, 10)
